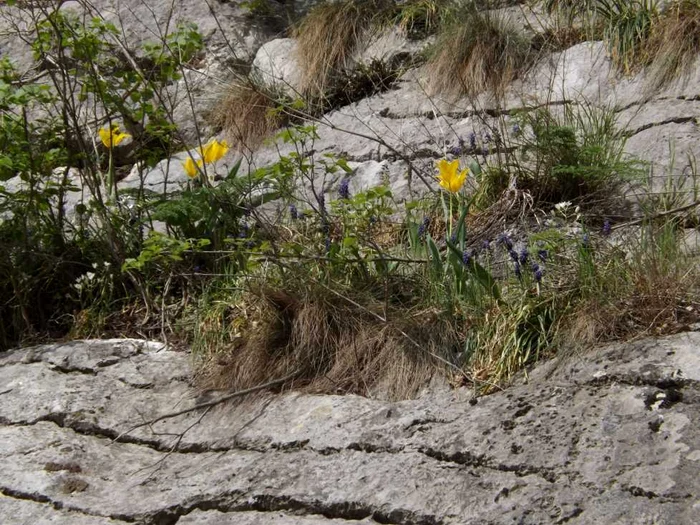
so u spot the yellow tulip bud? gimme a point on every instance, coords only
(111, 137)
(192, 168)
(448, 177)
(214, 151)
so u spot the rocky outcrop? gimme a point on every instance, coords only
(403, 128)
(606, 437)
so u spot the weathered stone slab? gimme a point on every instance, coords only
(607, 437)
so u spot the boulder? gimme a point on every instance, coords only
(276, 65)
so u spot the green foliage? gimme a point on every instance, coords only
(576, 156)
(421, 18)
(98, 68)
(334, 268)
(27, 144)
(48, 156)
(627, 27)
(160, 251)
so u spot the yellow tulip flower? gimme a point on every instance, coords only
(449, 177)
(111, 137)
(214, 150)
(192, 168)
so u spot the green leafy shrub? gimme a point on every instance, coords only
(50, 153)
(574, 155)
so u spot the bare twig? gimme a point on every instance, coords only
(657, 215)
(209, 404)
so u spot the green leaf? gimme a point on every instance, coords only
(481, 274)
(344, 165)
(435, 256)
(233, 172)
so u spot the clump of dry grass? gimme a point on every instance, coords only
(249, 113)
(335, 346)
(674, 43)
(328, 37)
(559, 38)
(477, 52)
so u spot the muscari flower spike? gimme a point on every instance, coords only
(293, 212)
(466, 257)
(537, 270)
(505, 241)
(344, 188)
(607, 227)
(423, 227)
(523, 256)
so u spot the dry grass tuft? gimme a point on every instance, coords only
(328, 37)
(674, 44)
(337, 347)
(559, 38)
(249, 113)
(478, 51)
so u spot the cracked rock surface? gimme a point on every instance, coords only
(612, 436)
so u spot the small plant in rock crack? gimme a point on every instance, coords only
(627, 28)
(674, 43)
(477, 51)
(330, 34)
(576, 155)
(421, 18)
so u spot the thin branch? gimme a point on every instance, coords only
(209, 404)
(657, 216)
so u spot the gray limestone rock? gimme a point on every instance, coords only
(276, 64)
(605, 437)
